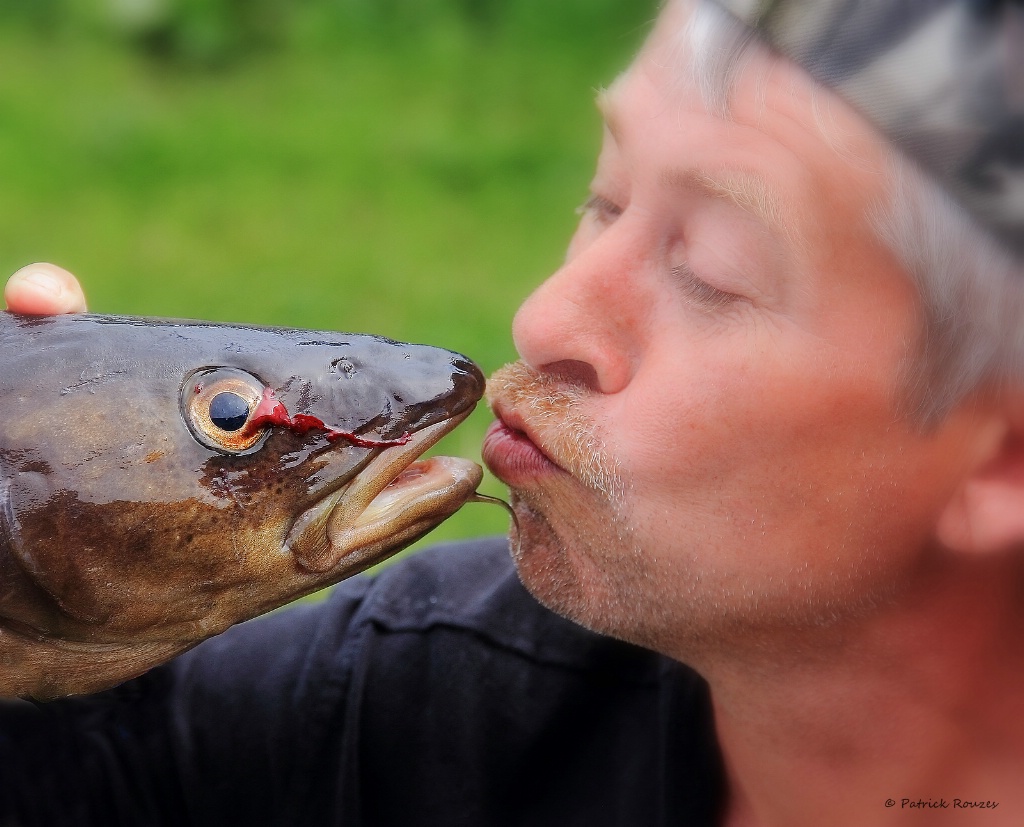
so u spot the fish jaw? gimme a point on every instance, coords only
(393, 500)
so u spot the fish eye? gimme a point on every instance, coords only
(229, 411)
(216, 404)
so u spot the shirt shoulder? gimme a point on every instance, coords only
(467, 691)
(472, 586)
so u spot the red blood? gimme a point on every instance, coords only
(271, 411)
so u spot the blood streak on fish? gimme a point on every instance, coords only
(272, 411)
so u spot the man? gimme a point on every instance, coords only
(768, 423)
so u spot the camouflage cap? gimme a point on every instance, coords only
(944, 79)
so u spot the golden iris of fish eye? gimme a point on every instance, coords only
(197, 394)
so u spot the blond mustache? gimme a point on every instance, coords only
(551, 406)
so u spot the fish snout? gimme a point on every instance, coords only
(397, 497)
(433, 385)
(468, 384)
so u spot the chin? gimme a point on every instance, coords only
(582, 563)
(545, 564)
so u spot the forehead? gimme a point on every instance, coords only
(717, 108)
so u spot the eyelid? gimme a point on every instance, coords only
(700, 292)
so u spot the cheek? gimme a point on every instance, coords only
(754, 445)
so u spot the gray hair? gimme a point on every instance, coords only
(971, 294)
(970, 287)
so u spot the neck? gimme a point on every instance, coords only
(920, 702)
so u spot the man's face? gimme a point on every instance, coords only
(704, 440)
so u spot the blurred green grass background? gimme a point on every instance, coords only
(400, 167)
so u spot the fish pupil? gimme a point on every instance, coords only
(229, 411)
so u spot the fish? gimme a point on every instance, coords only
(162, 480)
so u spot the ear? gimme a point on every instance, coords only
(986, 513)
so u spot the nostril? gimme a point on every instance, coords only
(574, 372)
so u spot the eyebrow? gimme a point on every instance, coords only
(749, 191)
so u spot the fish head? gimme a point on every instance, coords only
(161, 481)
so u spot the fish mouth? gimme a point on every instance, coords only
(395, 499)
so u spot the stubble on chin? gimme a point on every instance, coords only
(570, 528)
(576, 548)
(589, 568)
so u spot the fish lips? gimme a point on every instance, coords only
(392, 500)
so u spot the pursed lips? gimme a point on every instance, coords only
(513, 426)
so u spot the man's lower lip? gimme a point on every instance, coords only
(513, 457)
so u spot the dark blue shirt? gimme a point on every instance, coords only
(436, 693)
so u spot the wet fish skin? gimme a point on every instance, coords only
(124, 540)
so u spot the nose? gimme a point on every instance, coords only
(584, 322)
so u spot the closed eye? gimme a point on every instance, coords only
(701, 293)
(600, 208)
